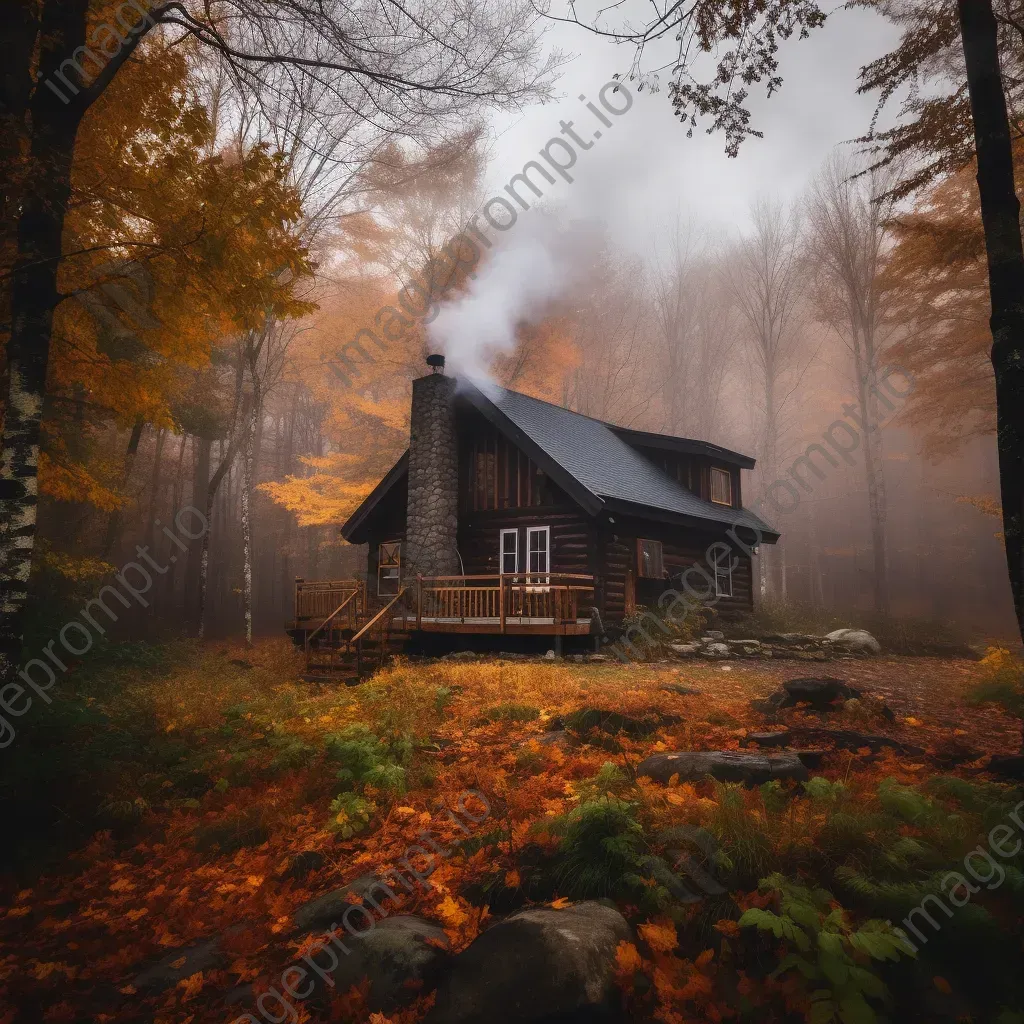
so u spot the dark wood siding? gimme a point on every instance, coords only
(494, 473)
(572, 537)
(386, 524)
(681, 549)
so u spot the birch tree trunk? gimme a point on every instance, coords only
(34, 297)
(248, 470)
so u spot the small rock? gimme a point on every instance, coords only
(812, 759)
(327, 910)
(303, 864)
(555, 738)
(549, 655)
(716, 650)
(1010, 766)
(769, 739)
(538, 965)
(611, 722)
(856, 641)
(678, 688)
(724, 765)
(167, 972)
(820, 693)
(684, 650)
(715, 634)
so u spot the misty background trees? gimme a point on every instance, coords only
(262, 219)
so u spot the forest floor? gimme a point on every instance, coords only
(232, 793)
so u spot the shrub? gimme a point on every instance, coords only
(602, 850)
(1002, 681)
(350, 814)
(365, 759)
(511, 713)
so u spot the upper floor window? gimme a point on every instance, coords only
(649, 559)
(721, 486)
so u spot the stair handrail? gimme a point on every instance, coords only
(373, 622)
(330, 618)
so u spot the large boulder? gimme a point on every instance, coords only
(724, 765)
(854, 641)
(540, 965)
(400, 956)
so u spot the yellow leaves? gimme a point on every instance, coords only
(451, 913)
(122, 885)
(913, 722)
(512, 879)
(191, 986)
(135, 915)
(561, 903)
(660, 935)
(627, 961)
(179, 963)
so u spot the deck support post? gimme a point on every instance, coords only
(501, 601)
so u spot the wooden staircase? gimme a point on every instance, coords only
(347, 648)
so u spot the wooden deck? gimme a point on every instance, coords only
(556, 604)
(345, 632)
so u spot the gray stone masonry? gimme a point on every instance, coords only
(432, 515)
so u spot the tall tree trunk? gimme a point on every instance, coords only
(1000, 216)
(34, 297)
(211, 493)
(116, 521)
(155, 485)
(866, 370)
(249, 469)
(200, 482)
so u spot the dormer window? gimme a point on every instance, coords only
(721, 486)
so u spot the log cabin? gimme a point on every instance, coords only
(511, 515)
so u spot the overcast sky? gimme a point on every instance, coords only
(643, 169)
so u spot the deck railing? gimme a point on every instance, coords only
(524, 596)
(521, 600)
(319, 599)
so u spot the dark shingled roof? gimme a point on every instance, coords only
(597, 458)
(590, 461)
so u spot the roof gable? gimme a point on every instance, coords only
(589, 460)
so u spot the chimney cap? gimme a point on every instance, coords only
(436, 362)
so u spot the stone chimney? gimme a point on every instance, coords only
(432, 514)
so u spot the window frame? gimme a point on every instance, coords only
(397, 566)
(545, 572)
(723, 572)
(514, 532)
(711, 486)
(659, 570)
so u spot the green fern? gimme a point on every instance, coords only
(834, 959)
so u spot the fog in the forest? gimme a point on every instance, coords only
(767, 303)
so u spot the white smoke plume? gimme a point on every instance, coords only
(516, 284)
